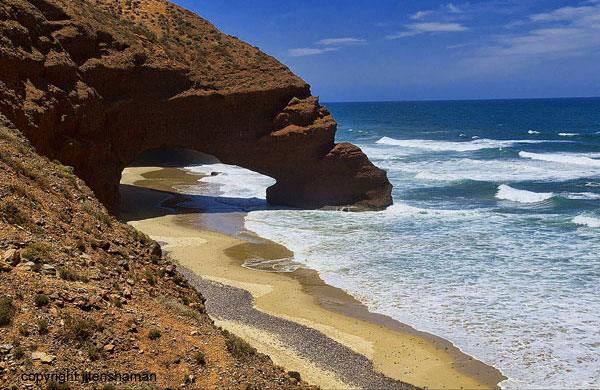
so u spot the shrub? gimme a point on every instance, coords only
(239, 348)
(154, 334)
(18, 352)
(78, 329)
(70, 275)
(42, 326)
(150, 277)
(24, 330)
(7, 311)
(80, 245)
(95, 353)
(14, 214)
(52, 385)
(91, 209)
(199, 358)
(295, 375)
(41, 300)
(38, 251)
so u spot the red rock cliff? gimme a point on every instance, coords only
(96, 83)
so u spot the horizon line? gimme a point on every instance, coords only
(459, 100)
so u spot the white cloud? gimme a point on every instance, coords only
(562, 33)
(442, 11)
(429, 27)
(309, 51)
(453, 9)
(340, 41)
(420, 15)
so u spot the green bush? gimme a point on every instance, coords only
(18, 352)
(42, 326)
(238, 347)
(38, 251)
(41, 300)
(7, 311)
(78, 329)
(154, 334)
(199, 358)
(70, 275)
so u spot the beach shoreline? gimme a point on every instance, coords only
(396, 350)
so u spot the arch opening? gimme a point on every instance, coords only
(176, 181)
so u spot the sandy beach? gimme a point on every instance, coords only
(302, 323)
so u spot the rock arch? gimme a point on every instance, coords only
(95, 91)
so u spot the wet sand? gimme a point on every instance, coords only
(304, 324)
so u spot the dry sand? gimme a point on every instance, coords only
(300, 302)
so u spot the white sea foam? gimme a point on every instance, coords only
(563, 158)
(568, 134)
(487, 170)
(466, 146)
(533, 132)
(587, 221)
(514, 195)
(235, 182)
(582, 195)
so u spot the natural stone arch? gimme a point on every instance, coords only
(100, 92)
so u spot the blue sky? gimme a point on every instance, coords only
(355, 50)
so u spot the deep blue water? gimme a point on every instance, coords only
(494, 238)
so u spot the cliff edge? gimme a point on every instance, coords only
(96, 83)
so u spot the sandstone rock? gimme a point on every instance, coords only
(238, 114)
(54, 296)
(155, 249)
(5, 348)
(27, 266)
(42, 357)
(48, 269)
(12, 257)
(109, 348)
(4, 267)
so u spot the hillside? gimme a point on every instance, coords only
(79, 291)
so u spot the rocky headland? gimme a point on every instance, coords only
(94, 84)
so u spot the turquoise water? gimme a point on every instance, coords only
(494, 238)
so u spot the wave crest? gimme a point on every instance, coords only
(587, 221)
(457, 146)
(564, 158)
(521, 196)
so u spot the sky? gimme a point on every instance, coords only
(353, 50)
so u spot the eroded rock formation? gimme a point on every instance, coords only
(96, 83)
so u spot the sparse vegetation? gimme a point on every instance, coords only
(97, 213)
(7, 311)
(154, 334)
(38, 251)
(24, 330)
(42, 326)
(238, 347)
(52, 385)
(78, 329)
(18, 352)
(70, 275)
(41, 300)
(199, 358)
(181, 309)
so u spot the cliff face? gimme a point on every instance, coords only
(96, 83)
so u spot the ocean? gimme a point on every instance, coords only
(493, 241)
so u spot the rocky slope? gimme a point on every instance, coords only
(95, 83)
(80, 291)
